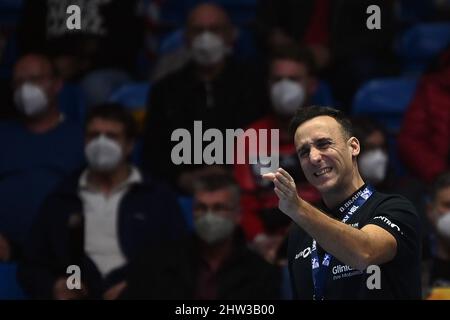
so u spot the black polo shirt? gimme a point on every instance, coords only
(399, 278)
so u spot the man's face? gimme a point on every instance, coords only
(221, 202)
(111, 129)
(289, 69)
(326, 156)
(209, 18)
(36, 70)
(440, 205)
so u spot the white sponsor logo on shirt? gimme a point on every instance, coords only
(389, 223)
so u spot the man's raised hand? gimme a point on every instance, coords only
(285, 189)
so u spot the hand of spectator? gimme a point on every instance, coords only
(62, 292)
(5, 249)
(114, 292)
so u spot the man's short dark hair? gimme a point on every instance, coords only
(304, 114)
(440, 183)
(295, 53)
(114, 112)
(215, 182)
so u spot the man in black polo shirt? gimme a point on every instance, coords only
(361, 244)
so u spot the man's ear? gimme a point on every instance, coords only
(355, 146)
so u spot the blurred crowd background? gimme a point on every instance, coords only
(86, 118)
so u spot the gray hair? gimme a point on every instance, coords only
(215, 182)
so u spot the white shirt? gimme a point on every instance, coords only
(101, 239)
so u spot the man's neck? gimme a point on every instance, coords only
(45, 122)
(216, 254)
(335, 197)
(209, 73)
(106, 182)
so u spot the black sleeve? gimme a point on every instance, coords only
(397, 216)
(176, 224)
(35, 268)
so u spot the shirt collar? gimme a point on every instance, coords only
(135, 176)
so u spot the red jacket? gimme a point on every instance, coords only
(424, 139)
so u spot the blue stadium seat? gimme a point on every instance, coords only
(132, 95)
(171, 41)
(421, 43)
(323, 95)
(385, 99)
(9, 287)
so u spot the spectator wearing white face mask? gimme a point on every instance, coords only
(212, 87)
(100, 218)
(437, 269)
(375, 165)
(214, 263)
(290, 85)
(38, 149)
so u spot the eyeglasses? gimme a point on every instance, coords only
(216, 207)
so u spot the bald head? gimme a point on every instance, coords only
(209, 17)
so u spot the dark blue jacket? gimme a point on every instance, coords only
(148, 214)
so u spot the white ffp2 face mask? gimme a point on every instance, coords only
(103, 154)
(373, 165)
(443, 226)
(208, 48)
(30, 99)
(213, 228)
(287, 96)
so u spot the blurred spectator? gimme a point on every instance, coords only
(375, 164)
(291, 84)
(437, 271)
(212, 264)
(301, 22)
(107, 44)
(373, 160)
(100, 218)
(38, 149)
(211, 88)
(424, 138)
